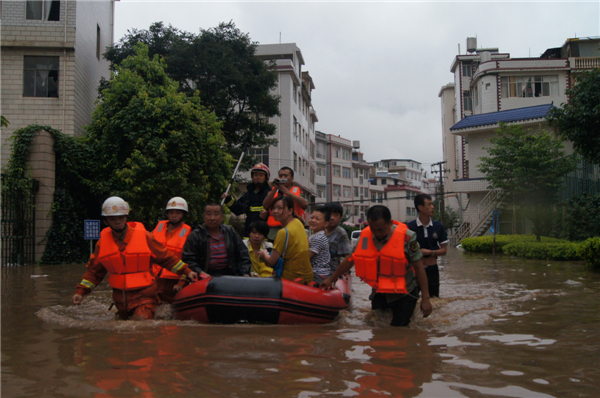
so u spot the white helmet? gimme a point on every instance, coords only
(177, 203)
(115, 206)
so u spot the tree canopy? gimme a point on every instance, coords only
(529, 169)
(579, 119)
(152, 142)
(219, 64)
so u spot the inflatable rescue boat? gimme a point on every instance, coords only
(272, 300)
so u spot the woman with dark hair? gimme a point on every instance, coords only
(296, 257)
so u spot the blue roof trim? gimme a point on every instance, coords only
(508, 116)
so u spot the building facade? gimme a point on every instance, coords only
(490, 87)
(51, 67)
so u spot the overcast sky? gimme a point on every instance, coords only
(378, 66)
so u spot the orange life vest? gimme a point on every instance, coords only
(174, 244)
(297, 209)
(383, 270)
(129, 269)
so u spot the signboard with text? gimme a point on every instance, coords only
(91, 229)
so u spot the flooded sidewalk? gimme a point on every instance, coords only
(503, 327)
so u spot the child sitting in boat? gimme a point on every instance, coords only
(258, 232)
(319, 244)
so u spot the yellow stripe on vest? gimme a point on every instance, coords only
(178, 267)
(88, 284)
(257, 208)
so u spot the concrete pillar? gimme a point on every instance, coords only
(41, 165)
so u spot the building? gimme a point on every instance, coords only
(51, 67)
(342, 175)
(395, 183)
(296, 126)
(490, 87)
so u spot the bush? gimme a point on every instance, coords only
(590, 252)
(484, 244)
(543, 250)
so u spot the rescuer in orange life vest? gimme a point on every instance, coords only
(387, 257)
(126, 251)
(284, 185)
(172, 233)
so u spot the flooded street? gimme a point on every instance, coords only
(504, 327)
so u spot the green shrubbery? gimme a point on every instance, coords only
(543, 250)
(590, 252)
(484, 244)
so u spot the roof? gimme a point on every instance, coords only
(508, 116)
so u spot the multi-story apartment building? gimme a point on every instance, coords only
(51, 67)
(395, 183)
(296, 126)
(490, 87)
(342, 175)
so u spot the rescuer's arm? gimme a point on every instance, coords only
(94, 274)
(269, 199)
(424, 286)
(345, 266)
(296, 198)
(163, 257)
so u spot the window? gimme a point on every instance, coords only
(312, 150)
(320, 170)
(356, 192)
(347, 192)
(466, 69)
(295, 128)
(379, 197)
(98, 42)
(321, 191)
(321, 150)
(295, 92)
(355, 173)
(408, 211)
(475, 96)
(347, 210)
(295, 162)
(468, 104)
(374, 181)
(336, 151)
(337, 171)
(40, 77)
(367, 174)
(346, 172)
(360, 180)
(356, 210)
(466, 171)
(373, 197)
(337, 190)
(383, 181)
(529, 86)
(312, 175)
(345, 154)
(42, 10)
(366, 191)
(260, 154)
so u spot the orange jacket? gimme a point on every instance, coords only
(297, 209)
(129, 269)
(383, 270)
(173, 241)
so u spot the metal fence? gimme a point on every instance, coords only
(18, 226)
(584, 180)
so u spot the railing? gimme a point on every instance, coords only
(18, 226)
(480, 215)
(585, 62)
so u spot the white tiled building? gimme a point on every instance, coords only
(342, 175)
(296, 125)
(51, 67)
(491, 87)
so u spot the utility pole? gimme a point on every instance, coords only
(441, 172)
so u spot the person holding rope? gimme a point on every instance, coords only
(393, 273)
(284, 185)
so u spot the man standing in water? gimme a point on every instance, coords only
(432, 239)
(392, 272)
(172, 233)
(126, 252)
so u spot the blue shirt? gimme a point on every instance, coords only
(429, 236)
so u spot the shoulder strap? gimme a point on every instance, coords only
(286, 242)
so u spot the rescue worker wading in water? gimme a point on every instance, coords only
(126, 251)
(172, 233)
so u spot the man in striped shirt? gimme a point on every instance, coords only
(215, 248)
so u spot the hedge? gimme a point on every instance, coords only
(589, 251)
(543, 250)
(484, 244)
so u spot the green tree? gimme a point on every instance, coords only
(529, 169)
(450, 219)
(221, 65)
(579, 119)
(152, 142)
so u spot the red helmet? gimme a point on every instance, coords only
(261, 167)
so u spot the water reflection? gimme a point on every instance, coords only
(503, 327)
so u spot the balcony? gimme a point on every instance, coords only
(584, 63)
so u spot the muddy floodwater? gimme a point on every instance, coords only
(503, 328)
